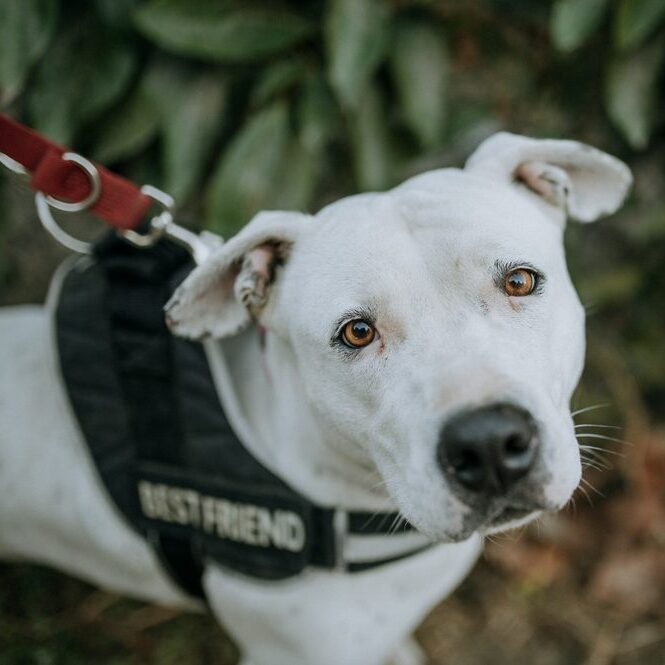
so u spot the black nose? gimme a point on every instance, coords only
(488, 449)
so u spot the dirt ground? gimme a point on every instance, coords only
(585, 587)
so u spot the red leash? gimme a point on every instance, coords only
(74, 181)
(69, 182)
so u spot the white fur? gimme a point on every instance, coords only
(354, 432)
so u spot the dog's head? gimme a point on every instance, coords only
(434, 326)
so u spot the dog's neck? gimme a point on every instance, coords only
(266, 405)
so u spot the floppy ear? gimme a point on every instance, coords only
(573, 178)
(220, 297)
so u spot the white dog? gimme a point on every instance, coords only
(414, 351)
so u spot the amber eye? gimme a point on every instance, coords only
(358, 333)
(520, 282)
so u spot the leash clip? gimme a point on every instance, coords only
(157, 225)
(162, 225)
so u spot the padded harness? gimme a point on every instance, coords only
(150, 413)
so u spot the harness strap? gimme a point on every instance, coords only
(148, 407)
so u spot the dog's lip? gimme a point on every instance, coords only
(510, 514)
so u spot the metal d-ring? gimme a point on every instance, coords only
(158, 224)
(95, 185)
(44, 204)
(13, 165)
(46, 218)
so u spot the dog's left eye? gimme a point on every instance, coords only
(520, 282)
(358, 333)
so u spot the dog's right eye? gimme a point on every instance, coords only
(520, 282)
(358, 333)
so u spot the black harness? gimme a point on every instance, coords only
(149, 410)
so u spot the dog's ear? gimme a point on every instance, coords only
(573, 179)
(220, 297)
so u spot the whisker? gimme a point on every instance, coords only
(382, 483)
(593, 457)
(592, 488)
(573, 505)
(592, 435)
(590, 408)
(586, 494)
(598, 464)
(578, 426)
(605, 451)
(397, 524)
(593, 465)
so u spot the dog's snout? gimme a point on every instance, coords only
(488, 450)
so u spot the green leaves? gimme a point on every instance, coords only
(222, 30)
(420, 66)
(242, 183)
(636, 20)
(313, 97)
(26, 28)
(631, 93)
(319, 118)
(128, 130)
(573, 21)
(97, 70)
(192, 123)
(357, 36)
(372, 152)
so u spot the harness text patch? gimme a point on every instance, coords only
(230, 520)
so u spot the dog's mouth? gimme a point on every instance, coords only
(508, 515)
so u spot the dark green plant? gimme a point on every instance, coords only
(212, 98)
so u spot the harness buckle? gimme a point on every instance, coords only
(340, 525)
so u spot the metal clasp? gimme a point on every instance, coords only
(162, 225)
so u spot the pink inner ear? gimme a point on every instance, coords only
(547, 180)
(259, 261)
(256, 273)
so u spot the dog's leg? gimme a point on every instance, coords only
(54, 509)
(408, 653)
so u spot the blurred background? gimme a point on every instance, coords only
(237, 106)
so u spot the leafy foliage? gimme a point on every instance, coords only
(383, 85)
